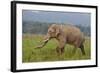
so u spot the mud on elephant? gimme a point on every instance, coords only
(65, 34)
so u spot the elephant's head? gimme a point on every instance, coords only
(53, 31)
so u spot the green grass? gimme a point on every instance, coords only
(48, 52)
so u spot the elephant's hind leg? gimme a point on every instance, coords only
(82, 49)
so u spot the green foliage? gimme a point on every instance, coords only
(36, 27)
(48, 52)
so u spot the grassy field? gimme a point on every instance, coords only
(48, 52)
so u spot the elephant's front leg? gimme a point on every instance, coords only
(60, 47)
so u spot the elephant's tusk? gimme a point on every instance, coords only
(44, 42)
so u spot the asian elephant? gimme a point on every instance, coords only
(65, 34)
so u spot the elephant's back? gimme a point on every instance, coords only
(70, 29)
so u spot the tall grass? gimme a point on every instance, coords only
(48, 52)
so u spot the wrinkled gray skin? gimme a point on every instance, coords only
(65, 35)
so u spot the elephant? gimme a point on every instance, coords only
(65, 34)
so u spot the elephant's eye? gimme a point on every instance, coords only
(51, 31)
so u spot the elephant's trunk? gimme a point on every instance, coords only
(46, 39)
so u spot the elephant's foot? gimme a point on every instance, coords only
(59, 51)
(62, 50)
